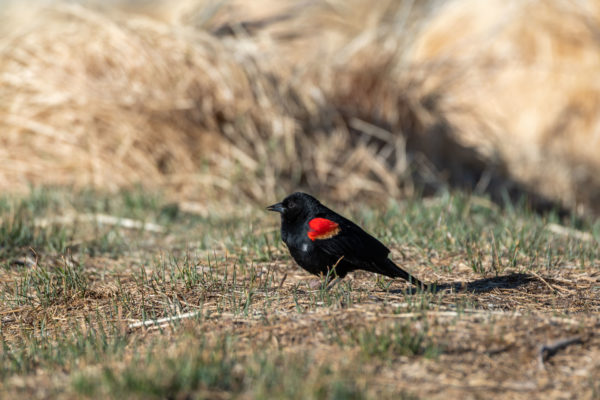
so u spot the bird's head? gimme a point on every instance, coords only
(295, 205)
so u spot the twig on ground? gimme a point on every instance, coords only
(548, 350)
(102, 219)
(160, 321)
(554, 288)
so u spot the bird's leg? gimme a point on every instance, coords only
(332, 273)
(329, 284)
(332, 283)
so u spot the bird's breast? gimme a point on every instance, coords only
(301, 249)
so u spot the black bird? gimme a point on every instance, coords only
(325, 243)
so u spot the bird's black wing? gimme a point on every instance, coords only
(360, 249)
(352, 242)
(344, 240)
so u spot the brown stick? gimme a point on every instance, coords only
(548, 350)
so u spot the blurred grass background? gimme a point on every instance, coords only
(235, 100)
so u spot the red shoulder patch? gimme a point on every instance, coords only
(322, 228)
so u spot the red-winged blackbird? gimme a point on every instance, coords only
(320, 240)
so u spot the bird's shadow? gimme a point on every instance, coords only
(484, 285)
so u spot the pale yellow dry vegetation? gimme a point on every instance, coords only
(341, 97)
(521, 85)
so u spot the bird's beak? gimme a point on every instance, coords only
(277, 207)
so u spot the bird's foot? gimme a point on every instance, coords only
(315, 284)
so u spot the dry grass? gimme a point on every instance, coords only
(155, 103)
(519, 87)
(342, 98)
(141, 103)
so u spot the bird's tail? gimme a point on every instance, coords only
(393, 271)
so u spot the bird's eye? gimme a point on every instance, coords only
(290, 204)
